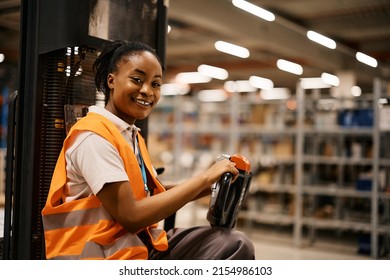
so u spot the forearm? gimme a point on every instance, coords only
(162, 205)
(204, 193)
(134, 215)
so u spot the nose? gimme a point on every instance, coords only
(146, 90)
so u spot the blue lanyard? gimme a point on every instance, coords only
(143, 171)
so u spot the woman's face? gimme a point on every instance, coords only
(135, 86)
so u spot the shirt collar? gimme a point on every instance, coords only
(118, 122)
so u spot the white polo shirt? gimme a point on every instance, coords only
(92, 161)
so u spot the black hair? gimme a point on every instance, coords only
(111, 55)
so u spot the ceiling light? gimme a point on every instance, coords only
(191, 78)
(68, 71)
(239, 86)
(2, 57)
(383, 101)
(261, 83)
(330, 79)
(289, 66)
(174, 89)
(213, 72)
(356, 91)
(313, 83)
(254, 10)
(232, 49)
(275, 94)
(363, 58)
(212, 95)
(321, 39)
(79, 71)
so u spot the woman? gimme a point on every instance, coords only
(105, 201)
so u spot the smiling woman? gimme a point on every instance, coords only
(135, 87)
(105, 198)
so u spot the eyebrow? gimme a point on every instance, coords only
(143, 73)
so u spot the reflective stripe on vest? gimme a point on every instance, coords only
(126, 245)
(76, 218)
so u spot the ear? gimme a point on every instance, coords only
(110, 80)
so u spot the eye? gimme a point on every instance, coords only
(137, 80)
(156, 84)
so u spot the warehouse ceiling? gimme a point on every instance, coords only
(355, 25)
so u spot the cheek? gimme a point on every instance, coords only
(120, 100)
(120, 95)
(157, 95)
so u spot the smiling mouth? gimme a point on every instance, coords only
(143, 102)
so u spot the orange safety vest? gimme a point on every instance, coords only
(83, 229)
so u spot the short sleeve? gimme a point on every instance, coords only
(98, 162)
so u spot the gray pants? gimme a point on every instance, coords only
(205, 243)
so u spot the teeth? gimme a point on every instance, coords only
(142, 102)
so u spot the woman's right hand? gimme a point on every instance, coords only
(219, 168)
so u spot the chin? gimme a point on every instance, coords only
(140, 118)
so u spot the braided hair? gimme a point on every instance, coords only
(112, 54)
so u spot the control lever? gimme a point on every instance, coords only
(227, 196)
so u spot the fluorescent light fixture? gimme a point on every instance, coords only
(232, 49)
(262, 83)
(313, 83)
(191, 78)
(239, 86)
(330, 79)
(275, 94)
(254, 10)
(230, 86)
(383, 101)
(79, 71)
(321, 39)
(174, 89)
(212, 95)
(363, 58)
(68, 71)
(289, 66)
(356, 91)
(213, 72)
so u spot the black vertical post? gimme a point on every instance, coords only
(162, 25)
(8, 209)
(21, 240)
